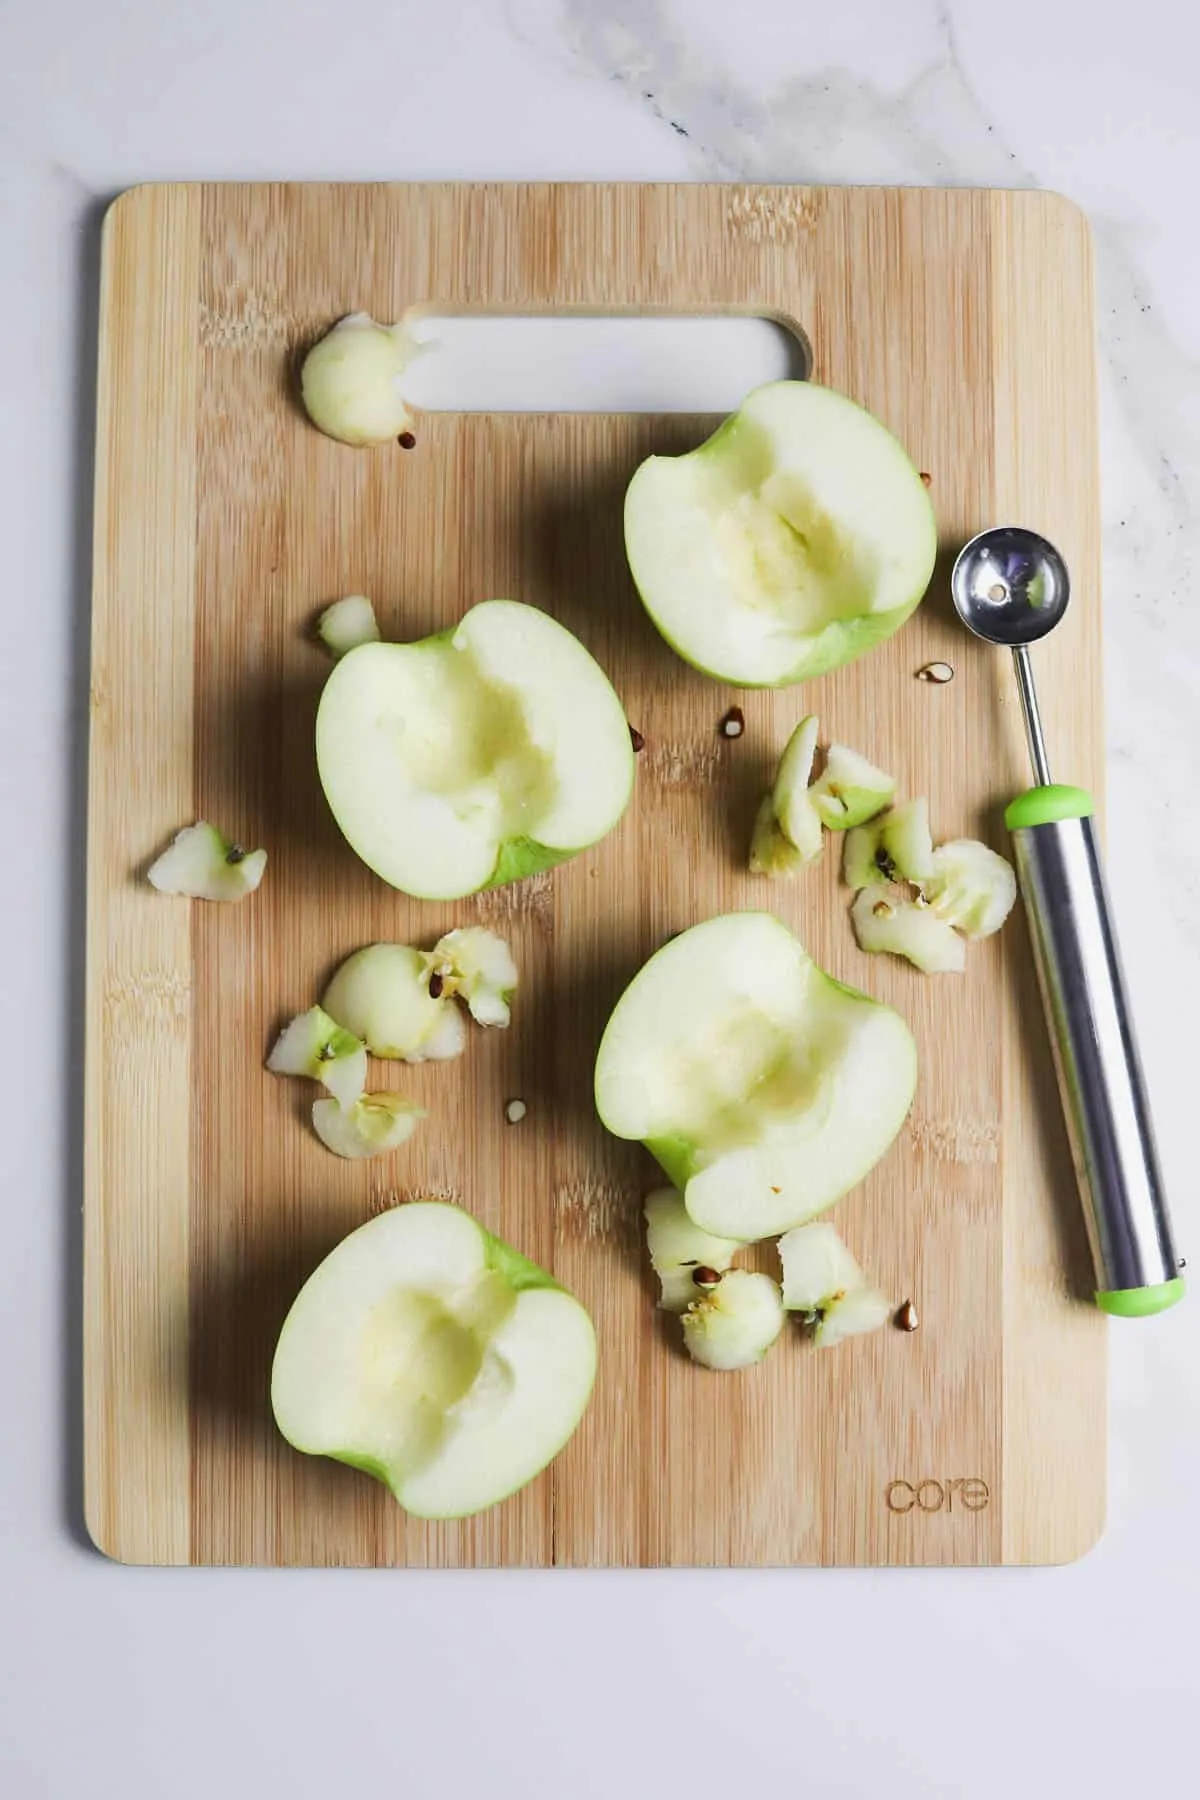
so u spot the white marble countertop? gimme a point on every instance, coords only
(968, 1684)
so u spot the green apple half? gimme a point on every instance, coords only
(434, 1357)
(763, 1086)
(475, 757)
(795, 539)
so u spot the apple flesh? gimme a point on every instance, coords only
(919, 902)
(316, 1046)
(476, 757)
(350, 381)
(764, 1087)
(678, 1247)
(206, 866)
(797, 538)
(371, 1126)
(347, 624)
(972, 887)
(790, 822)
(822, 1280)
(381, 994)
(772, 852)
(889, 919)
(850, 790)
(894, 847)
(733, 1324)
(477, 967)
(428, 1353)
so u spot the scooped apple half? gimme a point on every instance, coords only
(764, 1087)
(796, 538)
(434, 1357)
(476, 757)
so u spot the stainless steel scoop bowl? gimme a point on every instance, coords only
(1011, 587)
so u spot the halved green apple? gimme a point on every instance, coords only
(434, 1357)
(475, 757)
(799, 536)
(764, 1087)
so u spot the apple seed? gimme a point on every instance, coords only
(734, 723)
(939, 672)
(437, 983)
(637, 740)
(907, 1318)
(514, 1111)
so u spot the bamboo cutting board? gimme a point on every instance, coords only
(224, 521)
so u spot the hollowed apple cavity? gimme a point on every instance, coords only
(763, 1086)
(796, 538)
(476, 757)
(434, 1357)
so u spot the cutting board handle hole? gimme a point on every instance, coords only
(622, 363)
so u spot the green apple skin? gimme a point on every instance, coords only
(522, 857)
(840, 640)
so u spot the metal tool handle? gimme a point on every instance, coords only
(1099, 1074)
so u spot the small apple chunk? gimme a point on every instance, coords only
(206, 866)
(787, 831)
(371, 1126)
(434, 1357)
(896, 846)
(772, 852)
(350, 381)
(733, 1324)
(381, 994)
(347, 624)
(972, 887)
(798, 818)
(865, 863)
(678, 1249)
(764, 1087)
(822, 1280)
(316, 1046)
(799, 536)
(477, 967)
(476, 757)
(889, 919)
(850, 790)
(907, 842)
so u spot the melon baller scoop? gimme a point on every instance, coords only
(1011, 587)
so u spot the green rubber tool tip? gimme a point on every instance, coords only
(1141, 1303)
(1046, 805)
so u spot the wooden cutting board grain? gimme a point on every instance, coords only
(224, 521)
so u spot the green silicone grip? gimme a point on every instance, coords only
(1141, 1303)
(1045, 805)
